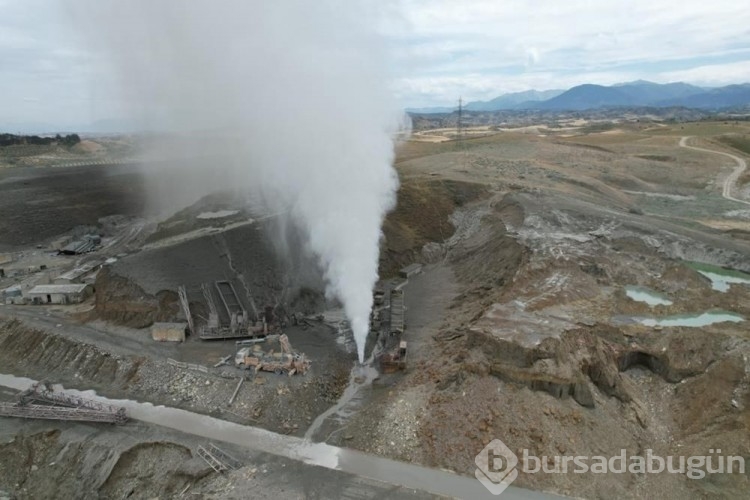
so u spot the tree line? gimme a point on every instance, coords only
(15, 140)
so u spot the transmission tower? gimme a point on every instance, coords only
(459, 124)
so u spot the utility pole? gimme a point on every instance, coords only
(459, 124)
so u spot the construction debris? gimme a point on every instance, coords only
(218, 459)
(236, 391)
(392, 361)
(223, 361)
(285, 362)
(40, 401)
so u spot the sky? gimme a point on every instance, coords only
(437, 50)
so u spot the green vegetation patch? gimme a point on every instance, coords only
(738, 142)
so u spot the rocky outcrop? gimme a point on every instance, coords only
(571, 365)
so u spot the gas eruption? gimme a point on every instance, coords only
(290, 95)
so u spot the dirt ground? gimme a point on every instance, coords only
(519, 327)
(532, 348)
(39, 204)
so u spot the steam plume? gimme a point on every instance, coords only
(297, 86)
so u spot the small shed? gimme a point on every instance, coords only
(60, 294)
(168, 332)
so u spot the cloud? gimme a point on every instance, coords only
(439, 50)
(712, 74)
(581, 41)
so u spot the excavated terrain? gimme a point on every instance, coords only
(281, 404)
(521, 326)
(538, 343)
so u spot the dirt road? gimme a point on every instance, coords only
(730, 181)
(409, 476)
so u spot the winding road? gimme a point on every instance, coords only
(731, 180)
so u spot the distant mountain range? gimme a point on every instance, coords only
(632, 94)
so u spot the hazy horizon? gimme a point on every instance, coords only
(435, 51)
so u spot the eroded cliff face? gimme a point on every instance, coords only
(123, 302)
(541, 347)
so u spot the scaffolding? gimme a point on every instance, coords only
(40, 401)
(218, 459)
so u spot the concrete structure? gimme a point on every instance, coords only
(59, 294)
(168, 332)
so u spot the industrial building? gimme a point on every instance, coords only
(59, 294)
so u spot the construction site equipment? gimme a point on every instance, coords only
(394, 360)
(236, 315)
(285, 362)
(393, 355)
(40, 401)
(397, 312)
(213, 314)
(229, 320)
(217, 458)
(185, 304)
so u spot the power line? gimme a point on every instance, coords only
(459, 125)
